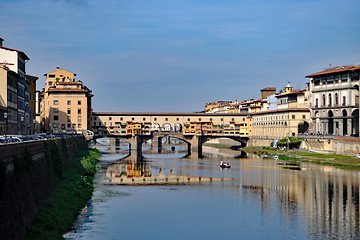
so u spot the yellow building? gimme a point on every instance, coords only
(66, 104)
(277, 124)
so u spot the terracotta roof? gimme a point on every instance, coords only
(283, 110)
(20, 52)
(33, 77)
(268, 89)
(66, 90)
(71, 83)
(8, 70)
(294, 92)
(335, 70)
(165, 114)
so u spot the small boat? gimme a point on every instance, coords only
(225, 165)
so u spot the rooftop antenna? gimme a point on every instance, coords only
(3, 64)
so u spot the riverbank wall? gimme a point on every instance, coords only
(253, 141)
(29, 172)
(348, 146)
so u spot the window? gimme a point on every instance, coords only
(56, 102)
(121, 119)
(303, 116)
(79, 125)
(133, 119)
(293, 116)
(344, 101)
(55, 110)
(210, 119)
(110, 118)
(336, 99)
(73, 125)
(344, 77)
(188, 119)
(68, 119)
(50, 83)
(316, 102)
(144, 119)
(79, 118)
(51, 75)
(79, 102)
(68, 125)
(155, 119)
(329, 99)
(166, 119)
(232, 119)
(177, 119)
(79, 111)
(69, 111)
(221, 119)
(324, 100)
(68, 102)
(199, 119)
(56, 117)
(354, 76)
(56, 125)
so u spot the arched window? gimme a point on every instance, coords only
(330, 100)
(324, 100)
(336, 99)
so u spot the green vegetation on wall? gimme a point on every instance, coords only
(69, 196)
(54, 160)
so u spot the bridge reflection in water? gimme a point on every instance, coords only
(133, 170)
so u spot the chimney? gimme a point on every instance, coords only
(1, 42)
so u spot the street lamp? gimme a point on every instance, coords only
(21, 126)
(34, 121)
(6, 123)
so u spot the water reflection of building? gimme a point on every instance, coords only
(139, 173)
(327, 197)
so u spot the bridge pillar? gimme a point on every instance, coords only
(117, 141)
(136, 143)
(196, 144)
(159, 144)
(113, 141)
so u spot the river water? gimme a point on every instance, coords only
(165, 196)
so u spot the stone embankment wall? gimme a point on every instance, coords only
(28, 174)
(259, 142)
(349, 146)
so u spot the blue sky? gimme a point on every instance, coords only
(174, 56)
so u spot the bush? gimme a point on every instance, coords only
(293, 143)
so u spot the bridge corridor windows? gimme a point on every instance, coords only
(166, 127)
(155, 127)
(177, 128)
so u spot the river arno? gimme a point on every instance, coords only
(255, 199)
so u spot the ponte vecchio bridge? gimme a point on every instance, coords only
(193, 128)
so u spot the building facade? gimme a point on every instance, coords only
(211, 124)
(334, 98)
(14, 77)
(65, 105)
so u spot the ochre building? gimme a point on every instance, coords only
(66, 104)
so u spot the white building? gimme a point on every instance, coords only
(334, 100)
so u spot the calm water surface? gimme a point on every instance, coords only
(169, 197)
